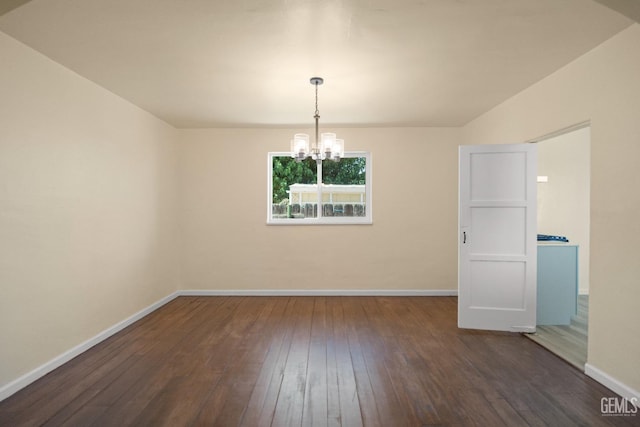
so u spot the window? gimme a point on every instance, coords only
(328, 193)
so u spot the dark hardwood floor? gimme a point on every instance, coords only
(330, 361)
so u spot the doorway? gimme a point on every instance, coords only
(564, 210)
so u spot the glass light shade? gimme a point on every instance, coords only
(338, 150)
(327, 141)
(300, 146)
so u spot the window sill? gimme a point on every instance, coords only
(322, 221)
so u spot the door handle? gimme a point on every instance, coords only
(464, 237)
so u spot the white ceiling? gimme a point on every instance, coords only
(214, 63)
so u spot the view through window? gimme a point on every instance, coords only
(310, 193)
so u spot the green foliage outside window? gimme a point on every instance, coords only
(286, 171)
(348, 171)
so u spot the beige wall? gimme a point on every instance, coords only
(87, 186)
(602, 86)
(563, 201)
(227, 244)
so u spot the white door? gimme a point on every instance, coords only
(497, 249)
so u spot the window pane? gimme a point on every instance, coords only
(295, 191)
(344, 187)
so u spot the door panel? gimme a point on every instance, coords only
(498, 245)
(492, 285)
(498, 176)
(511, 239)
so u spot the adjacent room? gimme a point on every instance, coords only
(563, 265)
(166, 260)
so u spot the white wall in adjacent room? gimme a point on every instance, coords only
(564, 201)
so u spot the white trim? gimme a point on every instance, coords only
(559, 132)
(321, 292)
(612, 384)
(23, 381)
(339, 220)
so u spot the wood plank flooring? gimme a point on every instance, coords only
(326, 361)
(569, 342)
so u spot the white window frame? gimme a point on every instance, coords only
(322, 220)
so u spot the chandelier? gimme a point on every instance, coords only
(326, 145)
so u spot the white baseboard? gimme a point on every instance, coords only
(612, 383)
(320, 292)
(18, 384)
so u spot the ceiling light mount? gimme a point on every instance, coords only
(326, 145)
